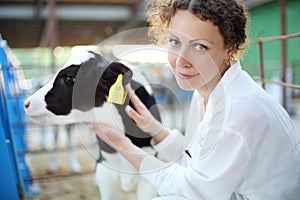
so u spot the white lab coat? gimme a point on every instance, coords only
(243, 143)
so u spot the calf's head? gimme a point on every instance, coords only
(84, 86)
(76, 88)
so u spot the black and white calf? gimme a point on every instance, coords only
(78, 93)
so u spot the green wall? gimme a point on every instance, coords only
(36, 62)
(265, 22)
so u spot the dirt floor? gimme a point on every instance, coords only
(62, 183)
(74, 188)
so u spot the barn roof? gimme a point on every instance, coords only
(24, 23)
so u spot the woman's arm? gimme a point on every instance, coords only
(120, 142)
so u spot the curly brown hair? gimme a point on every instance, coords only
(230, 16)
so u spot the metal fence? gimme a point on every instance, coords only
(283, 81)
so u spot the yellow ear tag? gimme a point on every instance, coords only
(117, 93)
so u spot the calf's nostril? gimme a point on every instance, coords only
(26, 104)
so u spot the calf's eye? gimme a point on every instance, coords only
(69, 80)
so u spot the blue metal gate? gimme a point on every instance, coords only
(15, 179)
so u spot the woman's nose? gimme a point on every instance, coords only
(182, 62)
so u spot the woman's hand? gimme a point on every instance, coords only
(144, 119)
(120, 142)
(110, 135)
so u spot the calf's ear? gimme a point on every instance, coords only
(120, 68)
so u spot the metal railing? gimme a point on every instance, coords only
(283, 82)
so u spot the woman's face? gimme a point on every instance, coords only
(196, 50)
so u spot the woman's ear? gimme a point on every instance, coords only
(230, 51)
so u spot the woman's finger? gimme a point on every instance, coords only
(137, 113)
(110, 135)
(137, 103)
(141, 115)
(99, 129)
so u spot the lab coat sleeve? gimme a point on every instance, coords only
(172, 147)
(214, 176)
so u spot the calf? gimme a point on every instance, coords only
(78, 93)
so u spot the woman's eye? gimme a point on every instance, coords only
(174, 43)
(200, 47)
(69, 80)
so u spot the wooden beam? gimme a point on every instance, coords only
(73, 1)
(99, 1)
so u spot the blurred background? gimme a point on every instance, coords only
(37, 37)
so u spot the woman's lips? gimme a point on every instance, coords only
(186, 76)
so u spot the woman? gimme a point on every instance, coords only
(239, 143)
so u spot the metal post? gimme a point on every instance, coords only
(261, 64)
(283, 51)
(52, 32)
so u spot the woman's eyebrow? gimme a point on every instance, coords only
(191, 41)
(171, 34)
(195, 40)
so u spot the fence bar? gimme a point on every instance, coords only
(261, 63)
(275, 38)
(283, 51)
(283, 84)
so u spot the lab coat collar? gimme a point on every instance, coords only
(217, 98)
